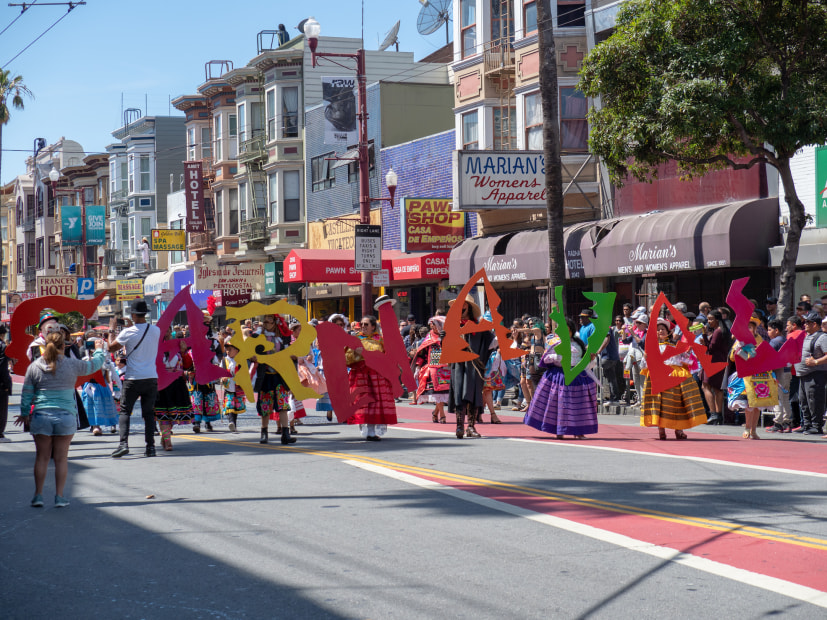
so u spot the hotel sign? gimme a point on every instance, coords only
(499, 180)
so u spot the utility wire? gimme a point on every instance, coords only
(71, 8)
(19, 15)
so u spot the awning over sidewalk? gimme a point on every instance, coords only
(326, 266)
(727, 235)
(420, 266)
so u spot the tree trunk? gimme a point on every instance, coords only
(786, 278)
(551, 151)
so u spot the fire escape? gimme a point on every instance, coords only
(253, 155)
(500, 70)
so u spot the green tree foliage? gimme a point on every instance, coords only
(12, 91)
(712, 84)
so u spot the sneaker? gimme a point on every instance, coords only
(5, 440)
(232, 427)
(61, 502)
(150, 451)
(798, 429)
(812, 431)
(775, 428)
(121, 451)
(196, 428)
(37, 501)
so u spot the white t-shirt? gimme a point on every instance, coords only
(140, 364)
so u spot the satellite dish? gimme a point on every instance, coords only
(391, 38)
(433, 14)
(300, 27)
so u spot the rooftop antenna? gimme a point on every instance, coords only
(433, 14)
(391, 38)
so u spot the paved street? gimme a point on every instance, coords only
(422, 525)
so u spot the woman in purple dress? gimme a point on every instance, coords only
(562, 409)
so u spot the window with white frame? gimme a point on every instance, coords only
(258, 206)
(233, 123)
(233, 208)
(502, 21)
(243, 202)
(131, 173)
(533, 122)
(292, 196)
(529, 17)
(574, 129)
(273, 196)
(219, 214)
(242, 124)
(353, 166)
(206, 143)
(124, 176)
(270, 102)
(468, 27)
(217, 137)
(39, 256)
(191, 144)
(53, 250)
(290, 111)
(322, 175)
(470, 131)
(146, 227)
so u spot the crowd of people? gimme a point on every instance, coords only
(119, 366)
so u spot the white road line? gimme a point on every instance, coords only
(585, 444)
(765, 582)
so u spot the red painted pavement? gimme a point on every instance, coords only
(775, 558)
(789, 454)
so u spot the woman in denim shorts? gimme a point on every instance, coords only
(50, 386)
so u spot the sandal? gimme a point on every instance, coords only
(97, 432)
(662, 433)
(517, 408)
(442, 420)
(680, 435)
(434, 418)
(745, 435)
(754, 435)
(495, 419)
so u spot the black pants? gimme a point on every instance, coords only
(613, 372)
(4, 410)
(811, 399)
(147, 391)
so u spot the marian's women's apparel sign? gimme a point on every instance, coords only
(430, 224)
(499, 180)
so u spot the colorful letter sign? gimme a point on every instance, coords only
(172, 240)
(194, 195)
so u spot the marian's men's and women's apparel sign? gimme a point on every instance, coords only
(194, 195)
(72, 228)
(127, 290)
(173, 240)
(429, 224)
(499, 180)
(245, 277)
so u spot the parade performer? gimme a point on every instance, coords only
(323, 403)
(433, 378)
(467, 378)
(204, 398)
(558, 408)
(173, 405)
(234, 399)
(679, 407)
(373, 416)
(49, 394)
(750, 393)
(273, 395)
(97, 398)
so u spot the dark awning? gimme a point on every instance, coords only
(728, 235)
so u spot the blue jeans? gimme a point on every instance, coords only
(498, 395)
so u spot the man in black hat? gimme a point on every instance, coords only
(812, 375)
(140, 340)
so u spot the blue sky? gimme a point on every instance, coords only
(150, 51)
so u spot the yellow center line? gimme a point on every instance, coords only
(710, 524)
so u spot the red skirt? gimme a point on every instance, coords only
(378, 405)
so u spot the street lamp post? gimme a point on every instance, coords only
(311, 32)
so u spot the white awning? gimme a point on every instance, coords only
(157, 282)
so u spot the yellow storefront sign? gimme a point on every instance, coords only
(164, 240)
(127, 290)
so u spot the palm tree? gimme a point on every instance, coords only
(12, 90)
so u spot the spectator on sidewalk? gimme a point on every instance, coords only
(812, 374)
